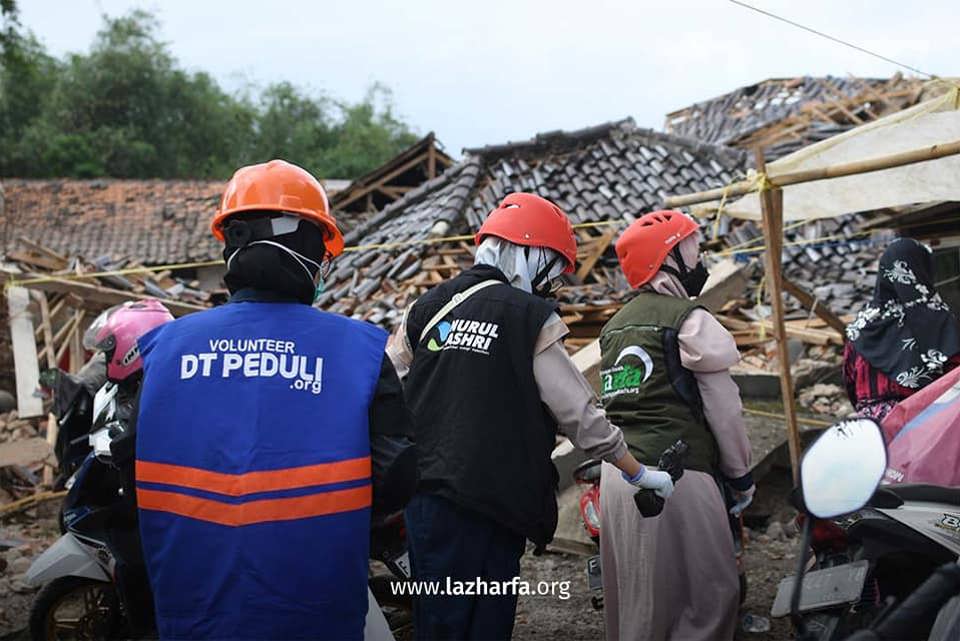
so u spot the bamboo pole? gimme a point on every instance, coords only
(771, 202)
(820, 173)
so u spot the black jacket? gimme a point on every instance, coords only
(483, 435)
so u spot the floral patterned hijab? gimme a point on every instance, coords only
(906, 331)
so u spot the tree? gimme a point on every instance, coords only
(126, 109)
(8, 26)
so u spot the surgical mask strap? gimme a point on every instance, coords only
(295, 255)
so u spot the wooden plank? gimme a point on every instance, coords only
(728, 279)
(810, 302)
(771, 202)
(37, 247)
(431, 160)
(65, 345)
(76, 346)
(106, 296)
(25, 364)
(600, 246)
(28, 502)
(360, 193)
(36, 259)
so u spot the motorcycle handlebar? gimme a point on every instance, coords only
(924, 602)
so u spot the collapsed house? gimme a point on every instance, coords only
(781, 115)
(603, 177)
(357, 201)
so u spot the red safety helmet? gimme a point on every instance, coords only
(528, 219)
(279, 186)
(646, 243)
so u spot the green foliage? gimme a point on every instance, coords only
(126, 109)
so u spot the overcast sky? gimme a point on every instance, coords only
(487, 72)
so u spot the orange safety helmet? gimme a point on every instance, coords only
(645, 244)
(528, 219)
(279, 186)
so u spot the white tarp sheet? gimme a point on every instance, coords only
(929, 123)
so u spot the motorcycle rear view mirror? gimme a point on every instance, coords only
(838, 474)
(841, 470)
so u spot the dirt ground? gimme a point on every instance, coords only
(22, 538)
(768, 559)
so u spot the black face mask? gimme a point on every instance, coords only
(692, 280)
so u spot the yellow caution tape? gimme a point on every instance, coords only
(795, 243)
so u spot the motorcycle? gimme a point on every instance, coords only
(94, 581)
(831, 487)
(902, 535)
(388, 544)
(93, 578)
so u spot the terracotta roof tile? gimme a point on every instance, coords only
(151, 221)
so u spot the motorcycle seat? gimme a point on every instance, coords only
(926, 493)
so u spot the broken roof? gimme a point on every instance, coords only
(784, 114)
(151, 221)
(611, 172)
(423, 160)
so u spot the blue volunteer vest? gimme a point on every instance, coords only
(253, 472)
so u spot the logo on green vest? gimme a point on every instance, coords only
(626, 378)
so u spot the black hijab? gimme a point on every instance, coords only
(268, 268)
(906, 331)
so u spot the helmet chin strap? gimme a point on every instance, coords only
(540, 283)
(681, 270)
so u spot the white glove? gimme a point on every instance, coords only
(743, 499)
(647, 479)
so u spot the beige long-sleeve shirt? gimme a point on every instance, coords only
(709, 351)
(563, 390)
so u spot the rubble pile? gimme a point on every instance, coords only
(23, 454)
(64, 274)
(834, 259)
(826, 400)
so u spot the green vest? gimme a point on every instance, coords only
(644, 388)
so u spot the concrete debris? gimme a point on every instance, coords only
(827, 400)
(23, 453)
(775, 531)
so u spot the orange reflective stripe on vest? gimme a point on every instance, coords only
(253, 482)
(259, 511)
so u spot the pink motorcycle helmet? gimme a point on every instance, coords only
(115, 333)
